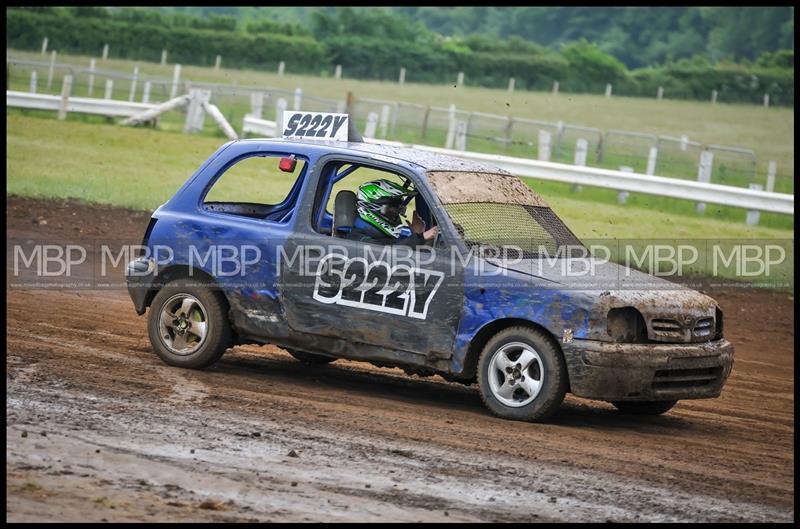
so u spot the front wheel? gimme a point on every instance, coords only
(656, 407)
(188, 324)
(522, 375)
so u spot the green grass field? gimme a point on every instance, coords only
(767, 131)
(142, 168)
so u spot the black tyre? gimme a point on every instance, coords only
(310, 358)
(188, 324)
(522, 375)
(656, 407)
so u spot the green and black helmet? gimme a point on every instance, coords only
(380, 204)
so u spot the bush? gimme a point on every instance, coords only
(371, 44)
(187, 44)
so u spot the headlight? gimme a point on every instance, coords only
(626, 325)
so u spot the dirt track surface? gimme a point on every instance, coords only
(98, 428)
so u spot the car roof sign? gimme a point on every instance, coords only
(316, 126)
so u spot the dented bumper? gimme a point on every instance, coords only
(647, 372)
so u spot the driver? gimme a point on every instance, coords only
(380, 206)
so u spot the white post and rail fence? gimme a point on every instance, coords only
(752, 199)
(623, 181)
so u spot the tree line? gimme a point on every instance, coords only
(638, 36)
(376, 43)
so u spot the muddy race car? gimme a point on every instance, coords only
(400, 257)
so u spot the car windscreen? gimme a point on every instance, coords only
(500, 211)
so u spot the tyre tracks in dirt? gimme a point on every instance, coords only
(110, 432)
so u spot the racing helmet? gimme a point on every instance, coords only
(381, 203)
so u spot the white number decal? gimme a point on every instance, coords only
(400, 290)
(315, 125)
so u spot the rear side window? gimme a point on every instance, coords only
(263, 187)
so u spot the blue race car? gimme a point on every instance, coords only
(404, 258)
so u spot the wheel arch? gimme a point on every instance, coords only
(485, 333)
(179, 271)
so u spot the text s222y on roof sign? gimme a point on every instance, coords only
(323, 126)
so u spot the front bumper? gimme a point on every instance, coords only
(647, 372)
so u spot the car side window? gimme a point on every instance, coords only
(387, 207)
(264, 187)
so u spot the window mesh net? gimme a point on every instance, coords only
(533, 230)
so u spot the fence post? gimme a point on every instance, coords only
(555, 88)
(460, 80)
(163, 57)
(350, 102)
(714, 97)
(281, 67)
(622, 196)
(684, 142)
(33, 81)
(660, 95)
(608, 89)
(766, 100)
(105, 52)
(601, 146)
(393, 121)
(461, 136)
(133, 83)
(298, 98)
(384, 120)
(509, 128)
(470, 117)
(559, 136)
(544, 146)
(425, 123)
(771, 172)
(218, 62)
(109, 89)
(652, 157)
(704, 173)
(753, 216)
(402, 78)
(451, 127)
(50, 71)
(372, 124)
(338, 73)
(146, 92)
(257, 104)
(66, 88)
(511, 83)
(581, 152)
(280, 107)
(195, 114)
(92, 66)
(44, 45)
(176, 78)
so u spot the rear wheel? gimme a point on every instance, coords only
(656, 407)
(310, 358)
(522, 375)
(188, 324)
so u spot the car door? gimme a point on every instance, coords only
(398, 298)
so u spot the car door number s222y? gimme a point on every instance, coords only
(356, 282)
